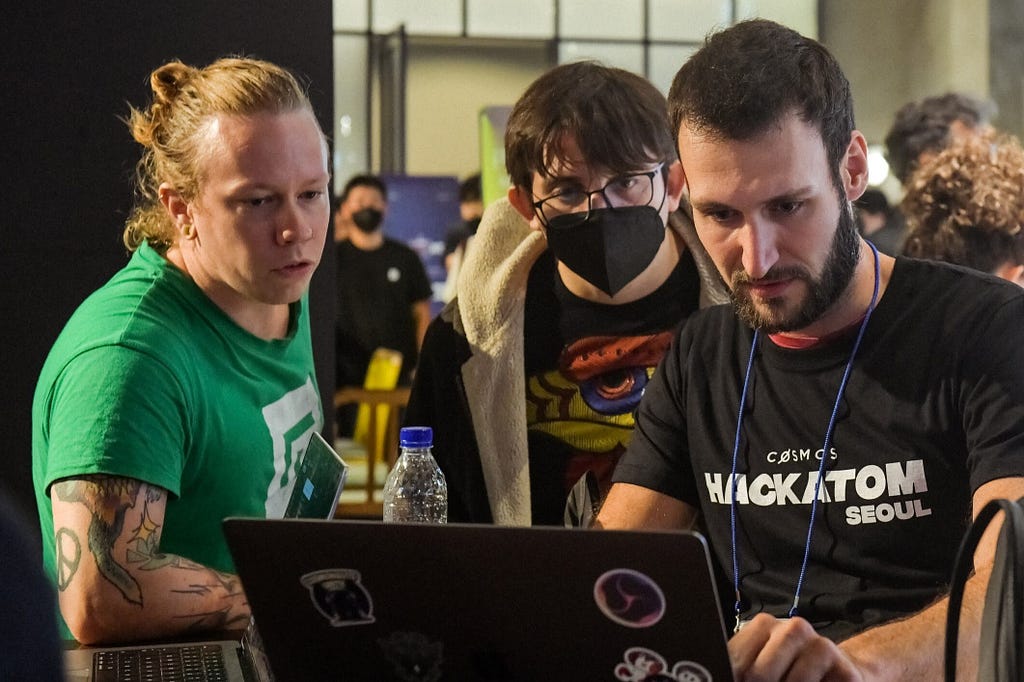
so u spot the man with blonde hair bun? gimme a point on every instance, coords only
(183, 390)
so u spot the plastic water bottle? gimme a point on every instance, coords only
(415, 489)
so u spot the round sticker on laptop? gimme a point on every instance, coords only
(629, 598)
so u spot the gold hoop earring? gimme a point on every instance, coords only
(186, 230)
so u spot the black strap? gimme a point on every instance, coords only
(1002, 627)
(584, 501)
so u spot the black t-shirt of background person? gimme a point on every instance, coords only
(376, 292)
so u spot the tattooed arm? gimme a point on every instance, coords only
(114, 584)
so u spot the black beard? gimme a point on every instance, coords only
(844, 254)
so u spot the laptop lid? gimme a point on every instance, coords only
(361, 600)
(319, 481)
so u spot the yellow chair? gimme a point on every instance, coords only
(381, 374)
(369, 465)
(373, 447)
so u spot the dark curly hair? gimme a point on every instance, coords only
(923, 126)
(966, 205)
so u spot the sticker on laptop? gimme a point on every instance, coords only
(629, 598)
(338, 594)
(643, 665)
(413, 656)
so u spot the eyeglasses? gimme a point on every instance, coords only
(632, 189)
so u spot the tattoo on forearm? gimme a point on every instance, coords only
(108, 500)
(145, 541)
(216, 620)
(69, 556)
(229, 589)
(224, 584)
(144, 544)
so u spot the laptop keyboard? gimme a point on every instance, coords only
(197, 662)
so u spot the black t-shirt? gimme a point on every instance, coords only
(376, 292)
(933, 408)
(587, 365)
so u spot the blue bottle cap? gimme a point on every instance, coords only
(416, 437)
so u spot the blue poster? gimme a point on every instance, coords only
(421, 210)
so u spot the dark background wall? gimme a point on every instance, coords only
(68, 72)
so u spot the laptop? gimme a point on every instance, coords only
(319, 481)
(362, 600)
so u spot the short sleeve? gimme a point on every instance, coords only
(992, 391)
(117, 411)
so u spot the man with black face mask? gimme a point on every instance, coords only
(383, 290)
(566, 302)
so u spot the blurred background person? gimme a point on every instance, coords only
(965, 205)
(456, 241)
(923, 128)
(383, 290)
(471, 209)
(878, 223)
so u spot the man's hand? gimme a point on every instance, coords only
(769, 648)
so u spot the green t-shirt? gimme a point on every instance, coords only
(150, 380)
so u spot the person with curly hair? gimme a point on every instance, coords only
(966, 206)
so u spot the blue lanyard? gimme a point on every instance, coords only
(821, 466)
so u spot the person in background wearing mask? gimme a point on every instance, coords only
(566, 301)
(458, 238)
(383, 290)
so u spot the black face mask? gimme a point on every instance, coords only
(611, 247)
(367, 219)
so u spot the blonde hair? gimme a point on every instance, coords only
(171, 130)
(966, 205)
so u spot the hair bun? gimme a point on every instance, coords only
(169, 80)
